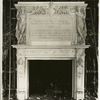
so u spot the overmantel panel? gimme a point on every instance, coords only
(51, 23)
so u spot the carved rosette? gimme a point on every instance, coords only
(80, 56)
(81, 24)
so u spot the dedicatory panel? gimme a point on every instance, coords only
(50, 29)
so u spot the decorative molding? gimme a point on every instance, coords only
(21, 47)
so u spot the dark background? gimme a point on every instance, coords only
(9, 54)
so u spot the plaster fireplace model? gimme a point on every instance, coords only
(51, 31)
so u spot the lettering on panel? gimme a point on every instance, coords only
(54, 29)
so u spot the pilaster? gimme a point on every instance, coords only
(20, 77)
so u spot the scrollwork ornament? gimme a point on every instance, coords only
(61, 10)
(39, 10)
(64, 10)
(72, 9)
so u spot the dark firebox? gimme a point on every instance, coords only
(52, 78)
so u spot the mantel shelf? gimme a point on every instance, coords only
(50, 47)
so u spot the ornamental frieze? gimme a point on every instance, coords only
(43, 10)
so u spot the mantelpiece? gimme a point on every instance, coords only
(51, 31)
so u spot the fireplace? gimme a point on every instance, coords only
(51, 36)
(73, 53)
(48, 76)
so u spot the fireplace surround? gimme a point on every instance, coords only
(76, 54)
(51, 31)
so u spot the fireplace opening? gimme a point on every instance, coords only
(50, 77)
